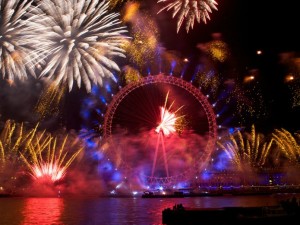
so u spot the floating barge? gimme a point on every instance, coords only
(262, 215)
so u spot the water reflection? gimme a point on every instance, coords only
(43, 211)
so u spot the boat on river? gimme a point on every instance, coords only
(287, 212)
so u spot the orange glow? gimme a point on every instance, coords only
(289, 78)
(131, 11)
(249, 78)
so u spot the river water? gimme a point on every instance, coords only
(111, 211)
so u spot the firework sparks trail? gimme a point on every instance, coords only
(13, 138)
(288, 144)
(166, 126)
(8, 145)
(190, 10)
(142, 49)
(131, 74)
(16, 55)
(48, 103)
(46, 160)
(77, 40)
(247, 150)
(115, 3)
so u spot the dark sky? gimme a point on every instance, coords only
(248, 26)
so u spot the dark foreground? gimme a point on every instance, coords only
(287, 212)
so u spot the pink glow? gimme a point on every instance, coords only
(48, 170)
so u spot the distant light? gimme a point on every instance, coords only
(185, 60)
(289, 78)
(249, 78)
(258, 52)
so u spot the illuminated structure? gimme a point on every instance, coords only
(189, 156)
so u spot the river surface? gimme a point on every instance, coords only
(111, 211)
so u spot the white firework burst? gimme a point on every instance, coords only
(189, 10)
(16, 56)
(77, 40)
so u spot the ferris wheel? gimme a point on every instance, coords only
(132, 117)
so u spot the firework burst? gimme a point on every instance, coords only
(189, 10)
(166, 126)
(7, 144)
(168, 119)
(13, 139)
(48, 158)
(77, 40)
(247, 150)
(288, 144)
(16, 55)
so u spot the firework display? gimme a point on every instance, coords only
(168, 119)
(79, 43)
(142, 48)
(131, 74)
(49, 101)
(189, 10)
(165, 127)
(140, 114)
(288, 144)
(247, 150)
(12, 139)
(155, 121)
(48, 159)
(17, 58)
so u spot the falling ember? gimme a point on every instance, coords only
(49, 101)
(142, 49)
